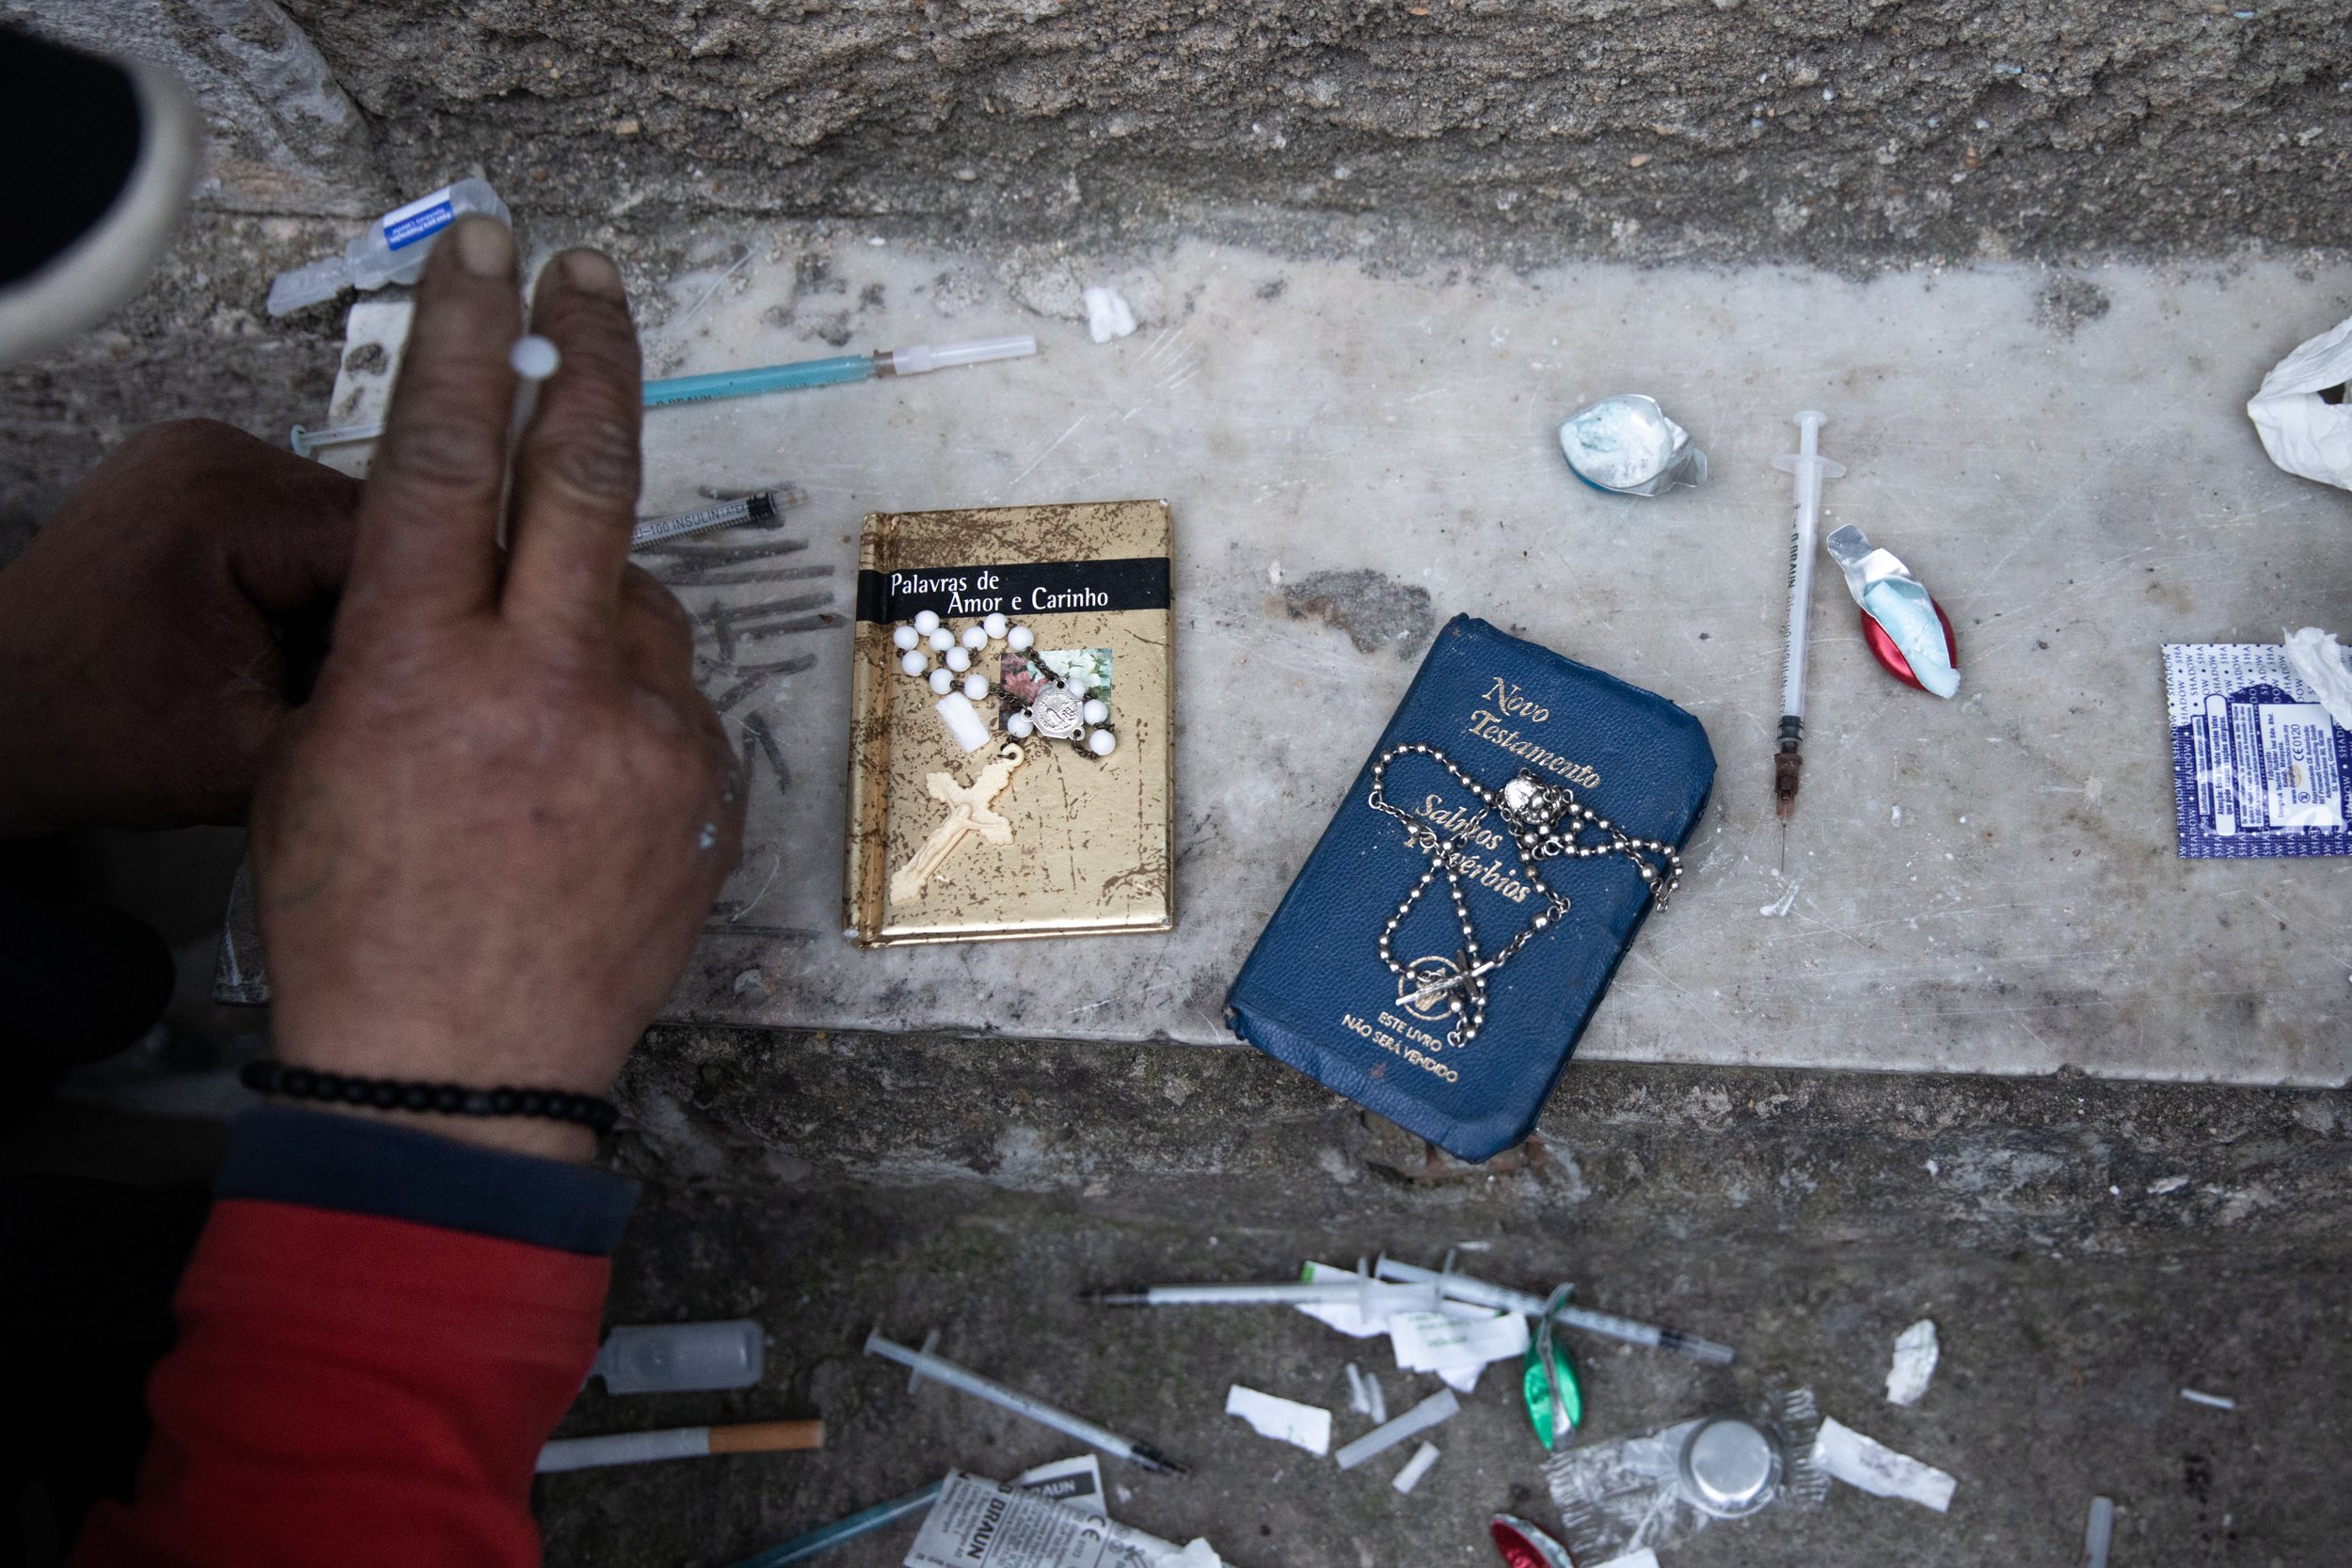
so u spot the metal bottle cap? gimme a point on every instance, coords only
(1730, 1467)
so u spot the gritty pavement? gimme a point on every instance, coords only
(2086, 1249)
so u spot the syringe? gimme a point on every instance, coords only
(1458, 1286)
(917, 359)
(1374, 1301)
(755, 508)
(913, 360)
(939, 1369)
(1810, 469)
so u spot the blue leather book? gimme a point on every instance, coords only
(1317, 991)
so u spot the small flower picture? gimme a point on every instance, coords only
(1087, 673)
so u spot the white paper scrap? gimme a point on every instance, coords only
(1642, 1558)
(1306, 1426)
(1860, 1462)
(1416, 1467)
(1438, 1343)
(1108, 314)
(1915, 1353)
(979, 1523)
(1462, 1380)
(2304, 433)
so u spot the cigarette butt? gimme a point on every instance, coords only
(767, 1436)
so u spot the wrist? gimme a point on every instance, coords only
(567, 1142)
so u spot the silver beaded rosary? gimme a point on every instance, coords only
(1545, 820)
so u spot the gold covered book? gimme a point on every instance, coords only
(1010, 725)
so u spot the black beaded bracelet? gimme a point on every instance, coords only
(406, 1094)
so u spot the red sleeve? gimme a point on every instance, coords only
(355, 1390)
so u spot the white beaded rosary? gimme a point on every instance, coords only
(1060, 710)
(1545, 819)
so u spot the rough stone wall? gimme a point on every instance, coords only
(1822, 130)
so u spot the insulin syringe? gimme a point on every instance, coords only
(918, 360)
(756, 510)
(1810, 468)
(940, 1369)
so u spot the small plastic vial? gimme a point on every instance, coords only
(392, 251)
(660, 1359)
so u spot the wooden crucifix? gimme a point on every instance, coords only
(968, 816)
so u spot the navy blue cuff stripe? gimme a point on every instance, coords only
(326, 1160)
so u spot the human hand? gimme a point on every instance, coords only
(502, 816)
(147, 632)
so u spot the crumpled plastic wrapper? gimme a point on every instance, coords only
(1627, 447)
(1890, 594)
(2303, 432)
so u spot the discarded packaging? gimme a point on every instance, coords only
(2306, 430)
(2259, 768)
(645, 1447)
(979, 1523)
(1439, 1406)
(660, 1359)
(1908, 632)
(1915, 1353)
(2319, 659)
(1438, 1343)
(1416, 1467)
(1627, 447)
(2098, 1531)
(1654, 1489)
(1858, 1461)
(1305, 1426)
(1547, 1385)
(1074, 1483)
